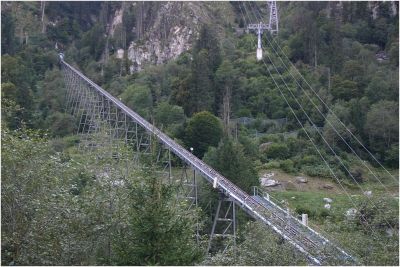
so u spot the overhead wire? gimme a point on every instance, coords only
(314, 145)
(336, 156)
(329, 109)
(320, 112)
(326, 142)
(301, 125)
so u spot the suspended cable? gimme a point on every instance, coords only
(336, 156)
(326, 142)
(348, 171)
(309, 137)
(320, 112)
(329, 109)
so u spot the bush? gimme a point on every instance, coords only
(392, 156)
(250, 146)
(296, 145)
(357, 173)
(276, 138)
(309, 160)
(61, 124)
(277, 151)
(272, 165)
(243, 112)
(317, 171)
(379, 212)
(258, 165)
(287, 165)
(166, 114)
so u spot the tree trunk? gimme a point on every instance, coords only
(226, 109)
(43, 7)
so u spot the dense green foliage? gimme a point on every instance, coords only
(345, 73)
(61, 206)
(202, 131)
(72, 208)
(157, 232)
(230, 159)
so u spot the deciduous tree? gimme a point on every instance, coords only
(203, 130)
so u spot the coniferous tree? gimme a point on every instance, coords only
(201, 96)
(159, 230)
(229, 159)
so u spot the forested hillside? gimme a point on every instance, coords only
(328, 80)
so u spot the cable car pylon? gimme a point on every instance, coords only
(271, 27)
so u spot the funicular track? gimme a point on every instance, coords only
(318, 249)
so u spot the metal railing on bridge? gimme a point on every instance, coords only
(98, 105)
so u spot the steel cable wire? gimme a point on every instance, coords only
(331, 111)
(326, 142)
(287, 102)
(320, 112)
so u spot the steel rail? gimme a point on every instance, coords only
(250, 205)
(321, 239)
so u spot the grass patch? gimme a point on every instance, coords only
(312, 203)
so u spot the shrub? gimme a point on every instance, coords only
(271, 138)
(272, 165)
(296, 145)
(357, 174)
(287, 165)
(258, 165)
(277, 151)
(318, 170)
(392, 156)
(309, 160)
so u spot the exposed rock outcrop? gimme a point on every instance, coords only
(173, 31)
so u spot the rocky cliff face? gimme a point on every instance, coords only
(170, 30)
(167, 37)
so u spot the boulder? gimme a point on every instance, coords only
(351, 214)
(368, 193)
(268, 175)
(118, 183)
(328, 200)
(389, 232)
(300, 179)
(327, 186)
(269, 182)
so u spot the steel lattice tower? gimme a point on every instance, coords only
(273, 17)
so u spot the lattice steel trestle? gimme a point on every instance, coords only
(100, 112)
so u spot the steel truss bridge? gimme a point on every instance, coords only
(100, 111)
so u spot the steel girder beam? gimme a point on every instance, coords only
(78, 88)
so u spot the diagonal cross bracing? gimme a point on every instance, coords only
(318, 249)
